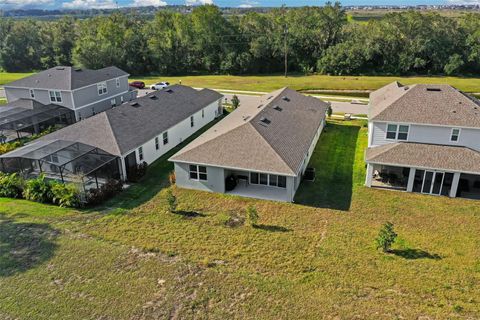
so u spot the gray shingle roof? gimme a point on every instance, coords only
(126, 127)
(67, 78)
(424, 103)
(455, 158)
(272, 134)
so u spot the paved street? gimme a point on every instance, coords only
(345, 107)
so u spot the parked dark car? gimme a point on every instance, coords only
(137, 84)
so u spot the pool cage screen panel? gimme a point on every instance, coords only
(65, 161)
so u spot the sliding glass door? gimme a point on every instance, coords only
(432, 182)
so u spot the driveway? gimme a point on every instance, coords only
(344, 107)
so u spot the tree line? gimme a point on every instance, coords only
(316, 39)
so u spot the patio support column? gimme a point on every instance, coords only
(453, 190)
(411, 179)
(368, 179)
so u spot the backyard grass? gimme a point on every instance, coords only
(297, 82)
(3, 101)
(132, 259)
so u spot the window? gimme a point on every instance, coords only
(203, 113)
(397, 132)
(455, 135)
(268, 179)
(198, 172)
(113, 102)
(117, 82)
(140, 153)
(192, 122)
(165, 138)
(102, 88)
(55, 96)
(32, 94)
(157, 144)
(253, 178)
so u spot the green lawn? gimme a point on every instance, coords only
(132, 259)
(3, 101)
(297, 82)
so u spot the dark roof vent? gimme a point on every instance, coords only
(269, 97)
(434, 89)
(264, 121)
(60, 68)
(135, 104)
(78, 69)
(277, 108)
(169, 90)
(285, 98)
(153, 97)
(260, 106)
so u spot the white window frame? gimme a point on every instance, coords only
(117, 82)
(458, 135)
(102, 88)
(56, 95)
(397, 131)
(157, 143)
(165, 138)
(32, 93)
(140, 154)
(196, 170)
(192, 121)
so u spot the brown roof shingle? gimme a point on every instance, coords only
(425, 104)
(271, 134)
(423, 155)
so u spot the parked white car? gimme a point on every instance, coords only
(160, 85)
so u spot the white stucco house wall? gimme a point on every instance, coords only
(263, 146)
(424, 138)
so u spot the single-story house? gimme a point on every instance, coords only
(138, 131)
(260, 150)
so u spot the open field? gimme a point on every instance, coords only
(132, 259)
(297, 82)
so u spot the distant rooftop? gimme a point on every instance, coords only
(67, 78)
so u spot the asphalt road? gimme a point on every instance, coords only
(345, 107)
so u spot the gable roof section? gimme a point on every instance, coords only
(126, 127)
(67, 78)
(425, 104)
(271, 134)
(422, 155)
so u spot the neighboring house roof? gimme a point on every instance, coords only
(425, 104)
(67, 78)
(270, 134)
(126, 127)
(422, 155)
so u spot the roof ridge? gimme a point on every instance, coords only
(110, 128)
(273, 149)
(398, 98)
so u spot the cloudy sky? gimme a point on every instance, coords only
(70, 4)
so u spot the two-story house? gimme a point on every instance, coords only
(86, 92)
(424, 138)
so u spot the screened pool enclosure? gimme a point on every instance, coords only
(64, 161)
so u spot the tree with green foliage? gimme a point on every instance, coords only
(386, 237)
(235, 102)
(251, 218)
(172, 201)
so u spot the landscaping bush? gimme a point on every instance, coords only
(386, 237)
(10, 185)
(109, 189)
(38, 190)
(252, 216)
(9, 146)
(137, 172)
(172, 178)
(172, 201)
(65, 195)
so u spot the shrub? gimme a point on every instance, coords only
(109, 189)
(172, 201)
(10, 185)
(329, 110)
(137, 172)
(386, 237)
(235, 102)
(38, 190)
(172, 178)
(65, 195)
(9, 146)
(252, 216)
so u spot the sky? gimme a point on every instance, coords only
(87, 4)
